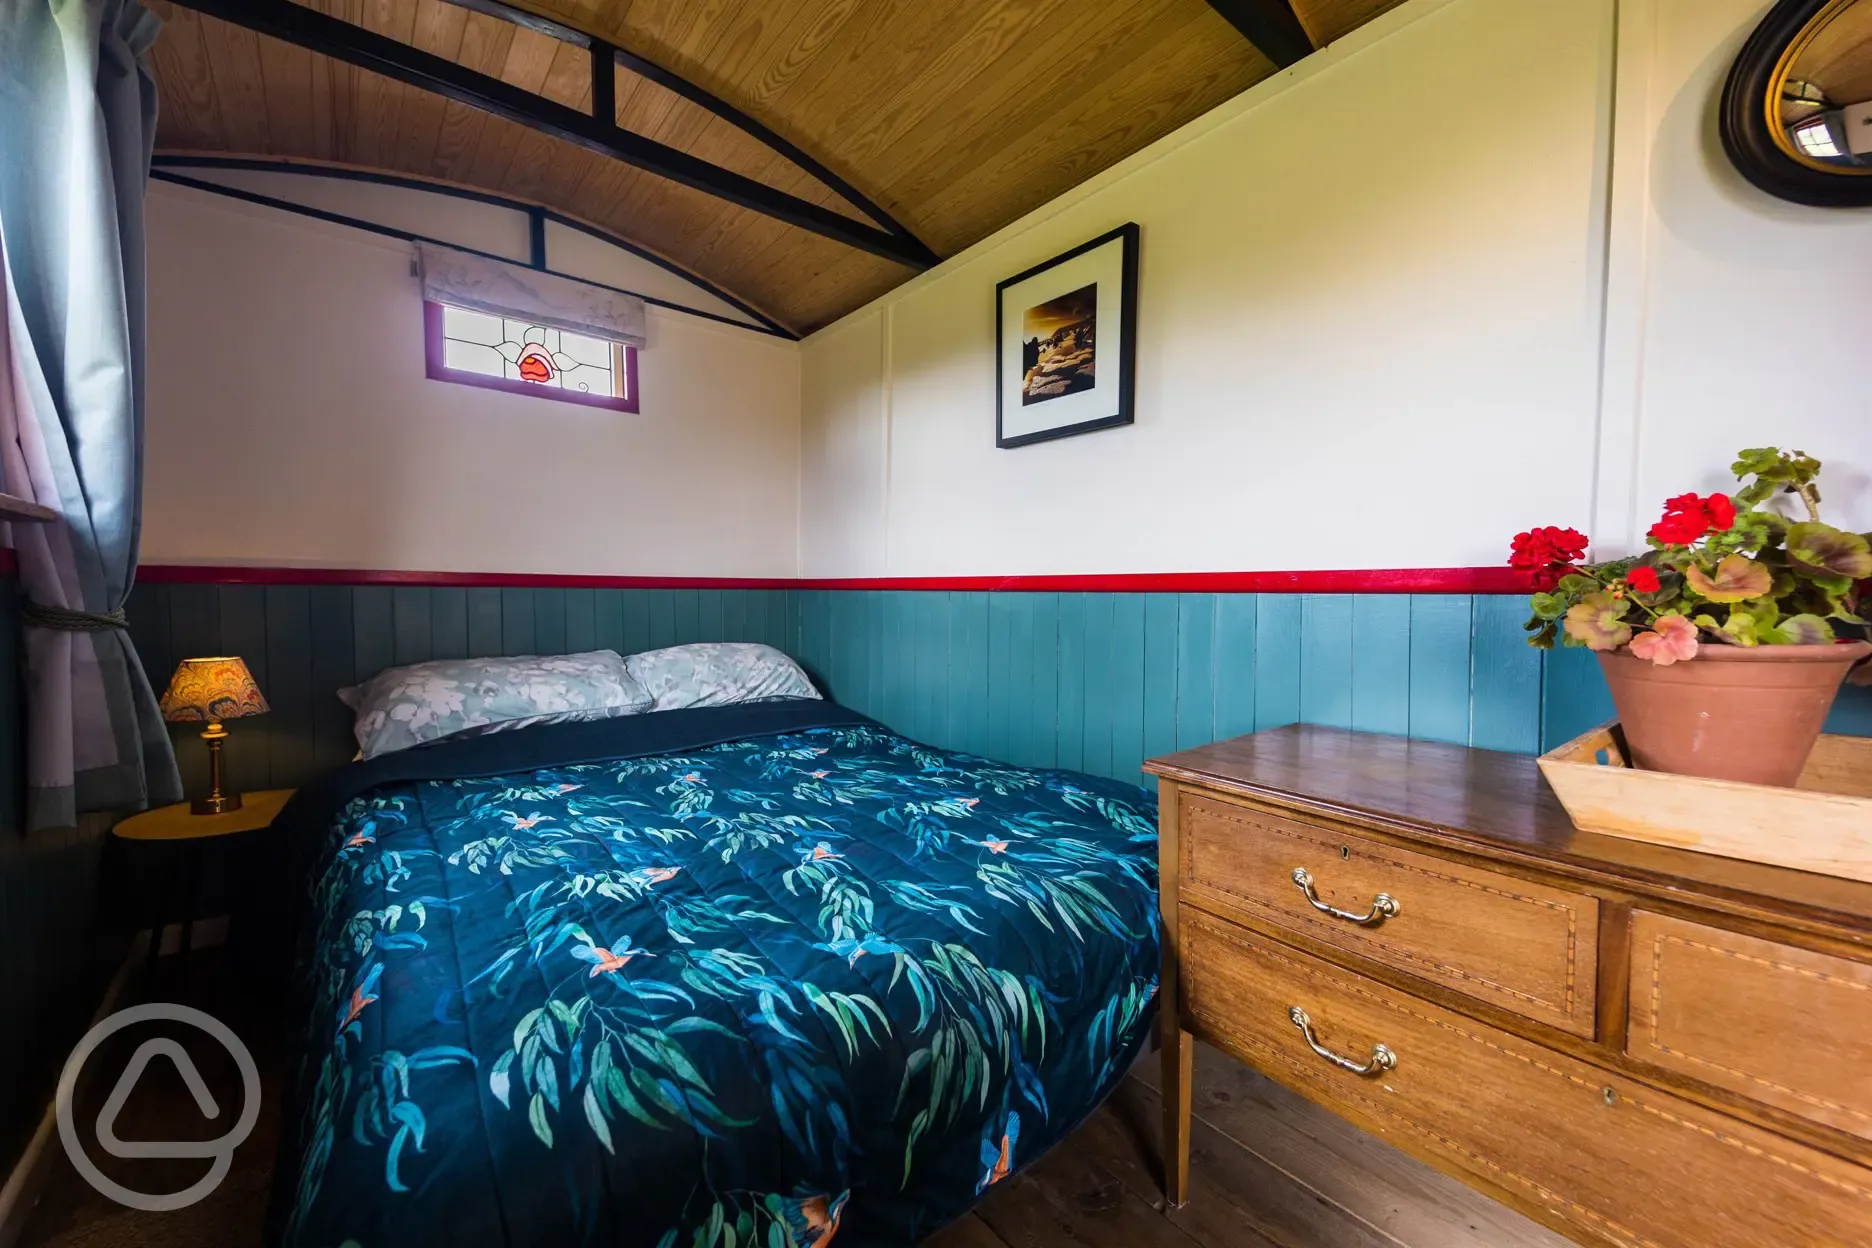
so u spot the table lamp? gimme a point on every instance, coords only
(212, 690)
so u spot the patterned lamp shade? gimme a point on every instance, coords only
(211, 689)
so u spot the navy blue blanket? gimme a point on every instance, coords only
(753, 977)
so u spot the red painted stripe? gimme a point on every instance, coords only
(1362, 581)
(1368, 581)
(234, 574)
(9, 561)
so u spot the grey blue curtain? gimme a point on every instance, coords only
(77, 126)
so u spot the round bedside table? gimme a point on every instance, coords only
(175, 823)
(186, 832)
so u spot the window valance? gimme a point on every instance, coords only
(470, 281)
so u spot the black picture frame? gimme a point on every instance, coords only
(1127, 341)
(1748, 135)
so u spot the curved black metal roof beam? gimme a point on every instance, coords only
(673, 81)
(596, 131)
(165, 166)
(1271, 25)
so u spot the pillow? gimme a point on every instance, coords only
(718, 673)
(406, 706)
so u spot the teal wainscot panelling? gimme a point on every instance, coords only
(305, 642)
(1100, 682)
(1095, 682)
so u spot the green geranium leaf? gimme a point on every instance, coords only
(1741, 629)
(1757, 460)
(1831, 584)
(1755, 494)
(1549, 606)
(1759, 525)
(1807, 630)
(1738, 578)
(1573, 584)
(1598, 622)
(1814, 545)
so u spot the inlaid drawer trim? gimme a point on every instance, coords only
(1567, 1011)
(1359, 1092)
(1657, 1042)
(1650, 1039)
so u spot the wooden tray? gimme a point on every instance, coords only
(1824, 824)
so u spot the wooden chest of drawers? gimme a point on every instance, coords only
(1638, 1046)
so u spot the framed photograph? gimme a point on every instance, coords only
(1066, 342)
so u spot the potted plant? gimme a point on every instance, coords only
(1725, 643)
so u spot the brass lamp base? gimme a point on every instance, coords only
(217, 802)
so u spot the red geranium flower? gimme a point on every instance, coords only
(1684, 521)
(1644, 580)
(1687, 518)
(1547, 554)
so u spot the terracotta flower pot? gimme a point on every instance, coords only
(1733, 712)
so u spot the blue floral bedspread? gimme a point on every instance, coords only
(821, 983)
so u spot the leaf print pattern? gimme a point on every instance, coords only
(407, 706)
(757, 995)
(718, 673)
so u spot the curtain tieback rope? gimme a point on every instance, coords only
(65, 620)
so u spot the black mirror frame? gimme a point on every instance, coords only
(1746, 133)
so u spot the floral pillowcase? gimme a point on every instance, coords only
(407, 706)
(718, 674)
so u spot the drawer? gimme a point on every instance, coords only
(1525, 947)
(1789, 1027)
(1606, 1159)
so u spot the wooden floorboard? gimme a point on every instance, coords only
(1068, 1199)
(1406, 1201)
(969, 1232)
(1242, 1198)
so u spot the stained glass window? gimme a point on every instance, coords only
(560, 363)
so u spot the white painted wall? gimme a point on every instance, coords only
(463, 222)
(1742, 320)
(1423, 291)
(290, 422)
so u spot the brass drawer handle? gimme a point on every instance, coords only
(1382, 1058)
(1384, 905)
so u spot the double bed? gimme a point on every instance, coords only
(752, 976)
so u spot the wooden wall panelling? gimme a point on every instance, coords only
(1127, 684)
(334, 664)
(1277, 659)
(1232, 665)
(1093, 682)
(1505, 681)
(1381, 663)
(1195, 669)
(1441, 626)
(290, 683)
(967, 658)
(1326, 660)
(305, 642)
(1099, 681)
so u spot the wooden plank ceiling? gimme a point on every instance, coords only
(956, 117)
